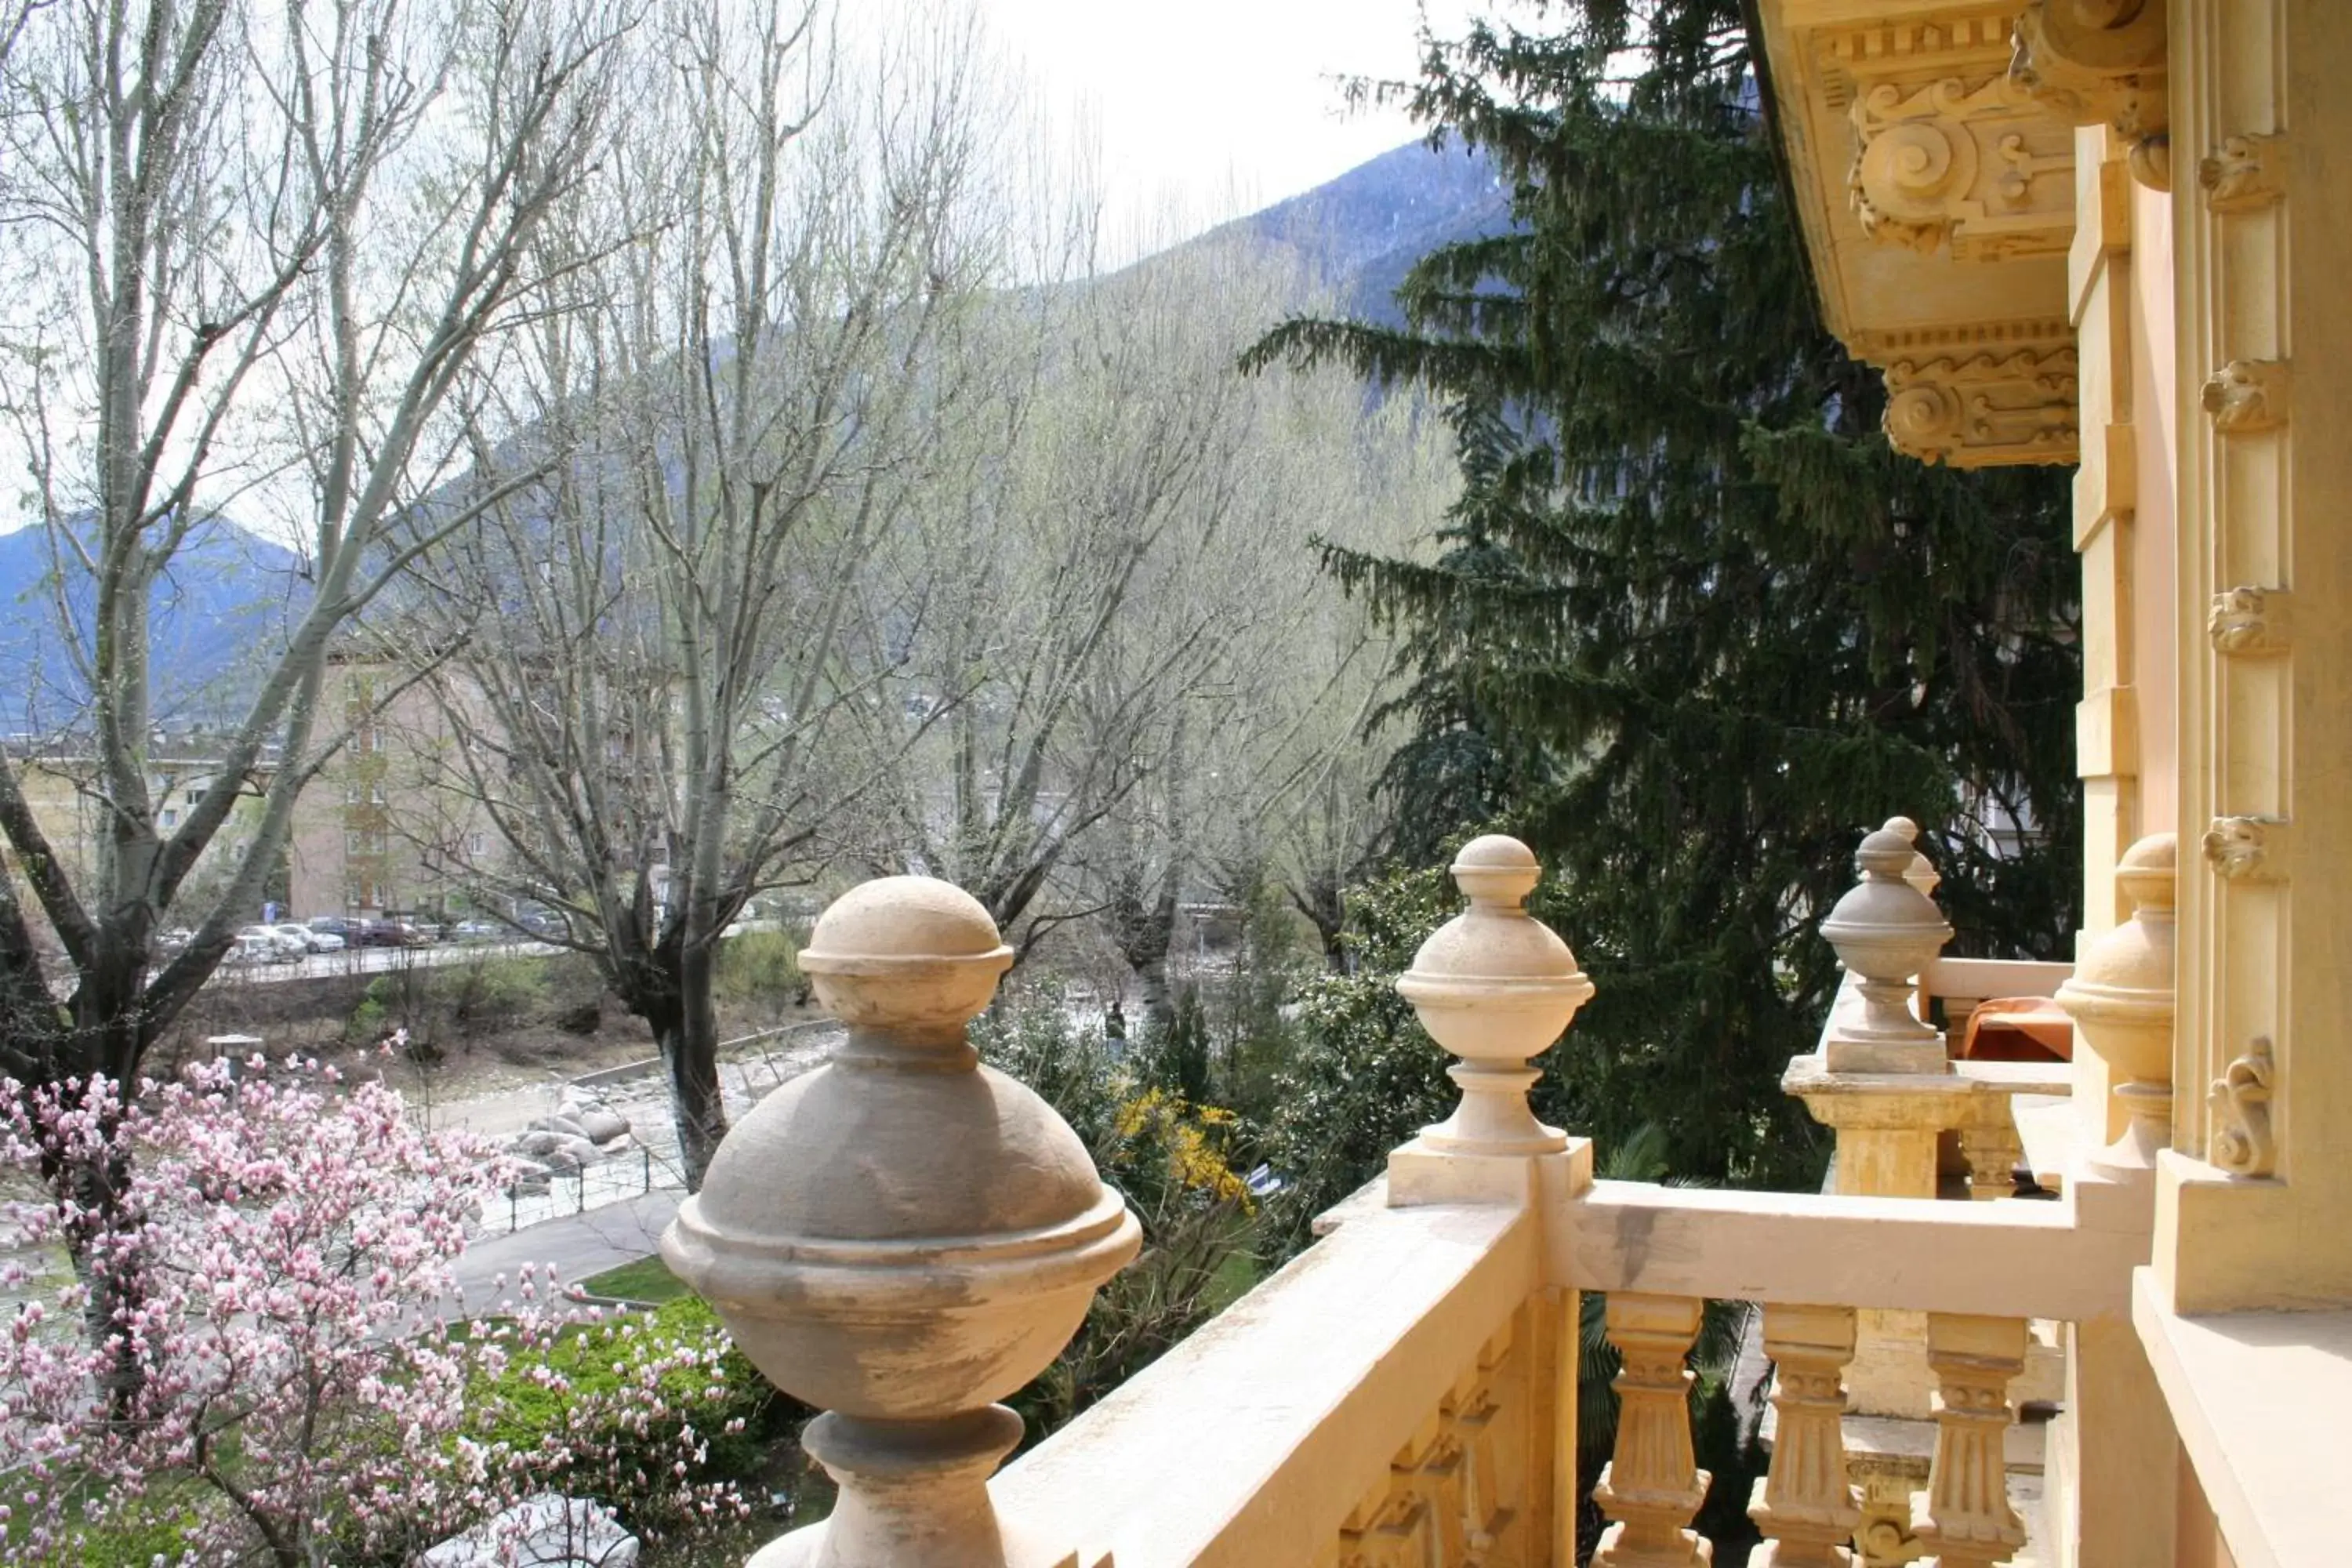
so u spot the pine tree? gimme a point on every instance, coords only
(1693, 625)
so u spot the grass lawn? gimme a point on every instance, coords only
(649, 1279)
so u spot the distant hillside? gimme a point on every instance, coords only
(1359, 234)
(225, 609)
(219, 613)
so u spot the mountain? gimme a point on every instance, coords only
(231, 594)
(228, 597)
(1360, 233)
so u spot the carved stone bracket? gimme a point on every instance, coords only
(2247, 848)
(2249, 622)
(2241, 1099)
(2101, 61)
(1973, 164)
(2243, 174)
(1977, 410)
(2246, 396)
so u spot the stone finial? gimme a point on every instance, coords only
(1494, 986)
(902, 1237)
(2120, 997)
(1886, 930)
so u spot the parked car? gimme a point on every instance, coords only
(254, 950)
(479, 931)
(388, 933)
(544, 923)
(336, 925)
(286, 949)
(311, 940)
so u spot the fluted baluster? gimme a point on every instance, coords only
(1653, 1486)
(1804, 1504)
(1966, 1522)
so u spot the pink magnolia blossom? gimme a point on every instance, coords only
(280, 1251)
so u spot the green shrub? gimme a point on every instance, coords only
(589, 1408)
(489, 989)
(761, 967)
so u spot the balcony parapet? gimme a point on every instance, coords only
(909, 1236)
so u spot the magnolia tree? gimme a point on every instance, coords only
(308, 1389)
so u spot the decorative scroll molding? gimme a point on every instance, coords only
(1973, 164)
(1806, 1507)
(2246, 848)
(1443, 1504)
(2247, 396)
(2242, 175)
(1652, 1486)
(2241, 1099)
(2017, 407)
(2249, 622)
(1968, 1522)
(2101, 61)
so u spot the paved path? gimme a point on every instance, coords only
(577, 1245)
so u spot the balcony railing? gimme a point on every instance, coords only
(905, 1237)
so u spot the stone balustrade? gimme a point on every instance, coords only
(904, 1236)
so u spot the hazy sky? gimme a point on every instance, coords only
(1216, 107)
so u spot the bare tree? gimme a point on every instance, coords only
(654, 642)
(251, 252)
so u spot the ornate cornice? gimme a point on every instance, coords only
(2101, 62)
(1980, 410)
(1970, 164)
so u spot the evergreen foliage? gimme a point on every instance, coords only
(1693, 625)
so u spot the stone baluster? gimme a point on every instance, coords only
(903, 1237)
(1804, 1505)
(1886, 930)
(2120, 997)
(1652, 1486)
(1992, 1149)
(1966, 1522)
(1494, 987)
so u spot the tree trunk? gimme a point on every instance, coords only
(1322, 902)
(97, 1184)
(1145, 928)
(693, 1057)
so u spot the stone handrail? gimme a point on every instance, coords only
(2058, 1260)
(1393, 1382)
(1405, 1392)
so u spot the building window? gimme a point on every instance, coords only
(375, 794)
(193, 797)
(350, 795)
(171, 816)
(478, 844)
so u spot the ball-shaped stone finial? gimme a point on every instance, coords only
(1886, 930)
(910, 955)
(1494, 986)
(903, 1236)
(2121, 999)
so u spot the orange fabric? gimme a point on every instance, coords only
(2019, 1029)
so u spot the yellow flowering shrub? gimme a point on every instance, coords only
(1190, 1142)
